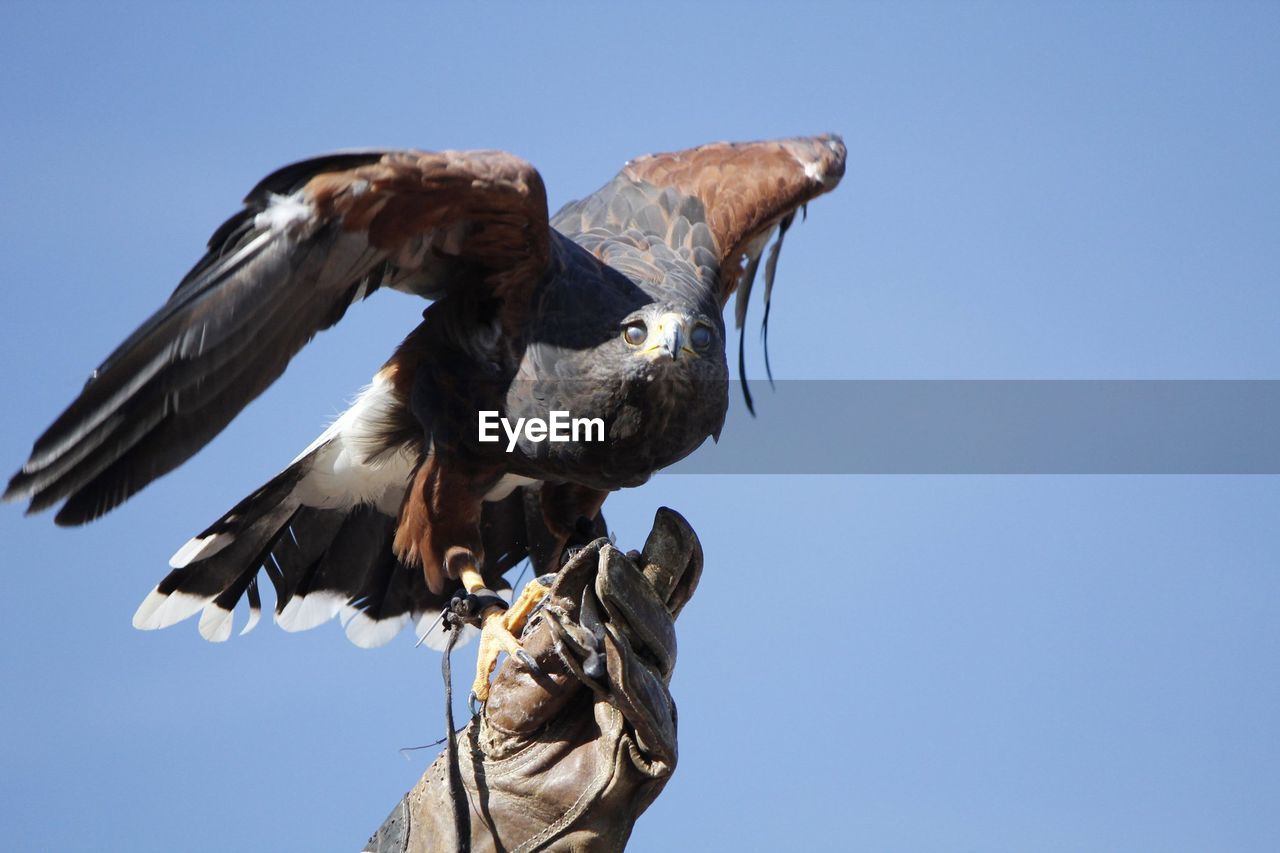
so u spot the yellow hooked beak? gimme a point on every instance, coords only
(669, 339)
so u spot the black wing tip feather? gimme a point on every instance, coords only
(770, 271)
(92, 489)
(16, 490)
(19, 489)
(742, 372)
(744, 294)
(77, 515)
(764, 343)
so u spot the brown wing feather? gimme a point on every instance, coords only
(746, 188)
(485, 207)
(313, 238)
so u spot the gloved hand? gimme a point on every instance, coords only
(568, 758)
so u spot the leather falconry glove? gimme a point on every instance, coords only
(568, 758)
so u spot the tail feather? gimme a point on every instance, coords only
(214, 581)
(323, 563)
(293, 566)
(255, 606)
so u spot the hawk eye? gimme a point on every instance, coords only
(634, 333)
(700, 337)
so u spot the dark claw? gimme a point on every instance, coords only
(589, 618)
(529, 663)
(594, 666)
(474, 704)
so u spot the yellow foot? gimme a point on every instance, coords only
(498, 634)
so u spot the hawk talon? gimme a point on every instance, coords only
(594, 666)
(498, 635)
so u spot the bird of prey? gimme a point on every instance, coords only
(609, 311)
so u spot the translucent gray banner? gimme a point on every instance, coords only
(999, 427)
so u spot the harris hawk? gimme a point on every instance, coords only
(611, 310)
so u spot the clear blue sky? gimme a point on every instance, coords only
(995, 663)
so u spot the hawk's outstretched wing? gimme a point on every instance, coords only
(313, 238)
(747, 189)
(716, 205)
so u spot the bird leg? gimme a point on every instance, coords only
(568, 512)
(498, 630)
(440, 526)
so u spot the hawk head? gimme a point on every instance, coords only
(673, 346)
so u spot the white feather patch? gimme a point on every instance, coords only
(160, 611)
(370, 633)
(216, 624)
(148, 607)
(341, 473)
(255, 613)
(304, 612)
(200, 548)
(285, 212)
